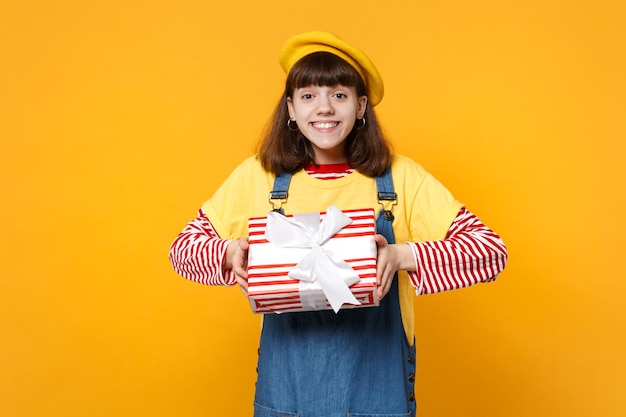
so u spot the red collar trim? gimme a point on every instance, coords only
(327, 168)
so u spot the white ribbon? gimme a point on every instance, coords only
(320, 266)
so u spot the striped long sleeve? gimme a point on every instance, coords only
(198, 253)
(471, 253)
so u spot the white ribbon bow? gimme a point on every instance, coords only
(333, 275)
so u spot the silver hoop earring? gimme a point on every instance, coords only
(289, 125)
(362, 123)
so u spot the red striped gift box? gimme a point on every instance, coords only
(271, 290)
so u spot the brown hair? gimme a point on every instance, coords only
(282, 150)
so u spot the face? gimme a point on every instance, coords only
(326, 116)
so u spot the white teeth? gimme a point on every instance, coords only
(324, 125)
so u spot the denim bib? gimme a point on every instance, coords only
(354, 363)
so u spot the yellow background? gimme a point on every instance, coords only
(119, 118)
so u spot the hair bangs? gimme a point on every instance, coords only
(324, 69)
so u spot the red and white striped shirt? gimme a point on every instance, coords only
(471, 253)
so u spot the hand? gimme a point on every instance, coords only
(390, 259)
(237, 261)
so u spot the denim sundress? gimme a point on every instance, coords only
(355, 363)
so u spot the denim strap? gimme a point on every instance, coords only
(384, 222)
(280, 191)
(384, 186)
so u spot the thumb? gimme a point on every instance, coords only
(380, 240)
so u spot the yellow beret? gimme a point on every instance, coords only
(301, 45)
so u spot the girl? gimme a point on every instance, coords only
(324, 146)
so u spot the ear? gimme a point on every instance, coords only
(292, 113)
(361, 106)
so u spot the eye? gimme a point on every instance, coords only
(307, 96)
(340, 95)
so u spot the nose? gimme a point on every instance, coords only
(325, 105)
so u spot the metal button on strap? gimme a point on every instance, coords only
(411, 378)
(411, 397)
(411, 359)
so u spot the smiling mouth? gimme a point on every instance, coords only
(324, 125)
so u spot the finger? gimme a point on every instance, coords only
(243, 284)
(380, 281)
(382, 265)
(387, 277)
(378, 277)
(241, 273)
(382, 289)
